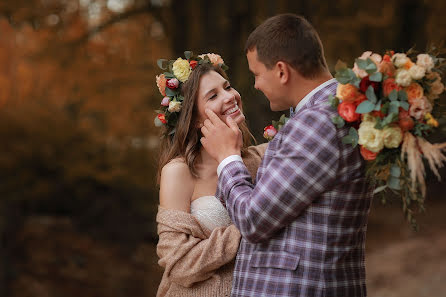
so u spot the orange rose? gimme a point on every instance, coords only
(347, 93)
(414, 91)
(347, 111)
(367, 155)
(389, 85)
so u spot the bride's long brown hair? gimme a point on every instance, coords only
(185, 142)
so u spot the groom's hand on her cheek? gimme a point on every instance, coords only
(220, 139)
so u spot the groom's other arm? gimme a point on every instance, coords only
(302, 167)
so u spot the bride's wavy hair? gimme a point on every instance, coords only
(185, 142)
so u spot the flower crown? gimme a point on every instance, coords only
(169, 83)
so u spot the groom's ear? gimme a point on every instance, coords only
(283, 72)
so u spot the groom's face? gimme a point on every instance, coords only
(266, 81)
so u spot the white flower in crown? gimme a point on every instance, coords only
(214, 58)
(174, 106)
(181, 69)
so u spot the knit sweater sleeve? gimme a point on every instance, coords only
(188, 253)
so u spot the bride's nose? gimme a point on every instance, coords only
(229, 97)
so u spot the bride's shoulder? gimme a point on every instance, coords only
(176, 185)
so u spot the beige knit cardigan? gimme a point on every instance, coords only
(198, 262)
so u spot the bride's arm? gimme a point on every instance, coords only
(188, 257)
(187, 251)
(176, 186)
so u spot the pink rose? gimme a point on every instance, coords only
(418, 108)
(173, 83)
(165, 101)
(269, 132)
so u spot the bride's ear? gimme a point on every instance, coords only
(283, 72)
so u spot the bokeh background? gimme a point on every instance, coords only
(78, 146)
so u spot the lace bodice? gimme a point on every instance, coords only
(210, 212)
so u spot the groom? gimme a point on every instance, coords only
(303, 222)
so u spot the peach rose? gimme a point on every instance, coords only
(386, 67)
(214, 58)
(348, 92)
(161, 83)
(414, 91)
(389, 85)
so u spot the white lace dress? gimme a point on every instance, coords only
(210, 212)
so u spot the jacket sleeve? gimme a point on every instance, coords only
(188, 254)
(304, 166)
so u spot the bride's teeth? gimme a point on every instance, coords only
(232, 110)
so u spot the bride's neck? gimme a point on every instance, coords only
(206, 159)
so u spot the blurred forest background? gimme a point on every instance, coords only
(78, 147)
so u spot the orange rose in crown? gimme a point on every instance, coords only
(389, 102)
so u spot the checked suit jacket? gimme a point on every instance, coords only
(303, 222)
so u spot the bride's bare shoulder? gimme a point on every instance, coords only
(176, 185)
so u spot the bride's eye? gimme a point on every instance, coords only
(228, 87)
(212, 97)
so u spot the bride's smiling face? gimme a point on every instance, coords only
(215, 93)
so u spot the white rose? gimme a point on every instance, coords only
(392, 137)
(417, 72)
(370, 138)
(174, 106)
(399, 59)
(425, 61)
(376, 58)
(403, 78)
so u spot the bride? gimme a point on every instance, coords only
(197, 241)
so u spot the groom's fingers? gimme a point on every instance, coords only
(204, 131)
(214, 118)
(232, 124)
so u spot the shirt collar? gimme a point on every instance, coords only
(309, 95)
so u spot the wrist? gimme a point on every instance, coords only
(227, 154)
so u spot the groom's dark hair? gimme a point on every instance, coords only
(289, 38)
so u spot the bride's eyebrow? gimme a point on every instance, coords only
(215, 89)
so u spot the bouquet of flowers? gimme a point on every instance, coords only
(391, 104)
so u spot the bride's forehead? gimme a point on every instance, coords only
(210, 81)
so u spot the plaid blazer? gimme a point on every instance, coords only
(303, 223)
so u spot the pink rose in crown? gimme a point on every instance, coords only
(165, 101)
(269, 132)
(173, 83)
